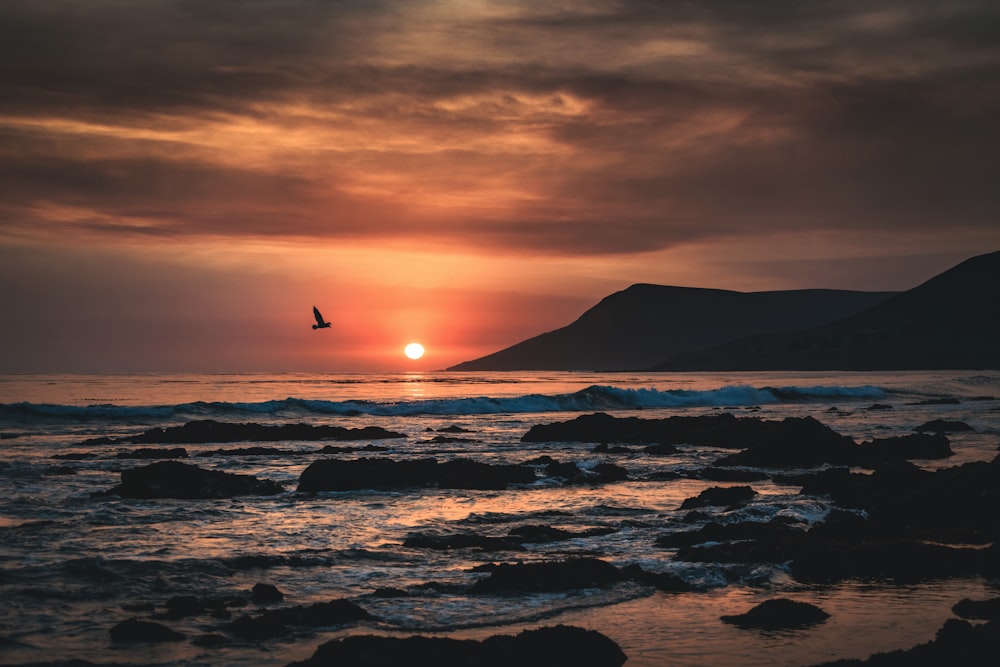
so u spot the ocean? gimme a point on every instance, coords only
(74, 563)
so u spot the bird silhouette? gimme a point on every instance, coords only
(320, 322)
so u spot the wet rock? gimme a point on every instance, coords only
(134, 630)
(956, 643)
(75, 456)
(334, 449)
(275, 622)
(534, 533)
(548, 576)
(371, 473)
(723, 430)
(943, 426)
(173, 479)
(266, 594)
(717, 532)
(663, 581)
(725, 496)
(660, 449)
(543, 647)
(984, 610)
(604, 448)
(778, 614)
(902, 448)
(208, 430)
(154, 453)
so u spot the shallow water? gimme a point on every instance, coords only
(69, 562)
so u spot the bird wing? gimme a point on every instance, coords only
(317, 315)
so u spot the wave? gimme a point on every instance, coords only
(594, 397)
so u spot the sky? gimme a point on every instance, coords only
(182, 180)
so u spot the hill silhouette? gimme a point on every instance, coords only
(645, 324)
(952, 321)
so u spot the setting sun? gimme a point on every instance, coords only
(414, 350)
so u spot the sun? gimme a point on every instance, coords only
(414, 350)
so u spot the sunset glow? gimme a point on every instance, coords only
(185, 185)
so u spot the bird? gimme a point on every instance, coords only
(320, 322)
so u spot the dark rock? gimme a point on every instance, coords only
(985, 610)
(603, 448)
(543, 647)
(943, 426)
(333, 449)
(548, 576)
(879, 406)
(371, 473)
(173, 479)
(154, 453)
(903, 447)
(453, 429)
(134, 630)
(660, 449)
(725, 496)
(208, 430)
(75, 456)
(274, 623)
(951, 400)
(723, 430)
(266, 594)
(956, 643)
(182, 606)
(717, 532)
(663, 581)
(779, 614)
(538, 534)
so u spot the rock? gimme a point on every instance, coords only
(985, 610)
(266, 594)
(902, 448)
(723, 430)
(956, 643)
(943, 426)
(779, 614)
(275, 622)
(173, 479)
(537, 534)
(134, 630)
(154, 453)
(726, 496)
(543, 647)
(208, 430)
(548, 576)
(372, 473)
(716, 532)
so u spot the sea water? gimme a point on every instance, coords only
(72, 565)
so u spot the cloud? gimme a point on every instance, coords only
(596, 128)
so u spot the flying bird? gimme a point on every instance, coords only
(320, 322)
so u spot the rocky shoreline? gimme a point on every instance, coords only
(893, 522)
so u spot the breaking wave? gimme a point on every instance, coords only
(594, 397)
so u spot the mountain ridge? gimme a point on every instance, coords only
(950, 321)
(645, 324)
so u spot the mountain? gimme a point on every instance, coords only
(952, 321)
(645, 324)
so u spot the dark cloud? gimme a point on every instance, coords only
(783, 116)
